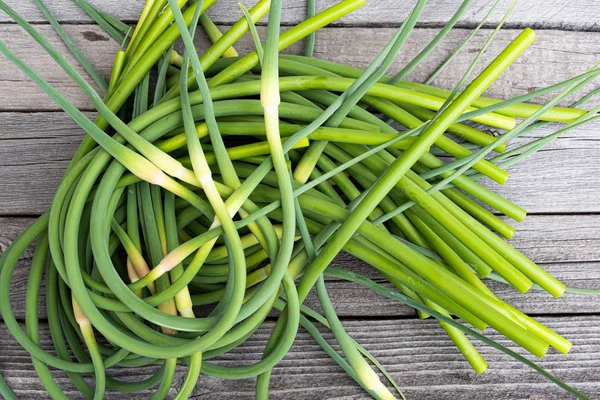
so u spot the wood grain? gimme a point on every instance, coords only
(555, 56)
(417, 354)
(17, 92)
(35, 149)
(551, 14)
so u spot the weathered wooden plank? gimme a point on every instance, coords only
(35, 149)
(555, 56)
(416, 353)
(554, 14)
(566, 246)
(17, 92)
(18, 370)
(555, 179)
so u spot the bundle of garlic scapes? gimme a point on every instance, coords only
(232, 183)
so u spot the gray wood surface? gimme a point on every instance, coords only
(416, 353)
(559, 188)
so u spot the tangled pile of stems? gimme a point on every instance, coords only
(236, 183)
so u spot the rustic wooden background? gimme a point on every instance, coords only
(559, 187)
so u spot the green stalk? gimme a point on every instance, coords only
(269, 98)
(91, 11)
(522, 110)
(254, 32)
(90, 341)
(310, 40)
(215, 34)
(363, 371)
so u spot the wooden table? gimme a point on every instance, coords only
(559, 187)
